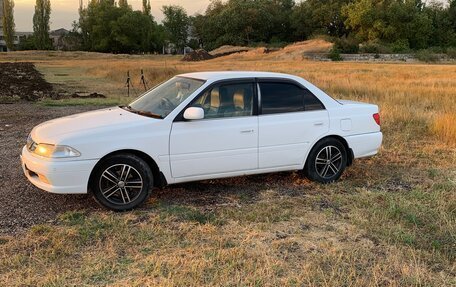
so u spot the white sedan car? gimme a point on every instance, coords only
(200, 126)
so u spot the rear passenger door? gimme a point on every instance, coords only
(291, 119)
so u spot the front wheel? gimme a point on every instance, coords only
(326, 161)
(122, 182)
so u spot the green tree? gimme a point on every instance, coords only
(123, 3)
(319, 17)
(176, 24)
(41, 24)
(243, 22)
(8, 23)
(105, 27)
(208, 28)
(452, 14)
(390, 21)
(146, 7)
(442, 32)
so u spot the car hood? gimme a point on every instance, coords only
(52, 131)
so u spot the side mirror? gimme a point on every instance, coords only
(194, 113)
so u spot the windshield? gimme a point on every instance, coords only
(164, 98)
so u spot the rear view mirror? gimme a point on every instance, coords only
(194, 113)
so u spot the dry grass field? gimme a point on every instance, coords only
(390, 220)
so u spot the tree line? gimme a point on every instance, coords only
(391, 25)
(399, 24)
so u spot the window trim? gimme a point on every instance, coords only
(283, 81)
(180, 115)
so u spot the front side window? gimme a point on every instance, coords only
(227, 100)
(163, 99)
(286, 98)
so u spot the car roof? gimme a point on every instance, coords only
(226, 75)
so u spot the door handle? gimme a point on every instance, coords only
(318, 123)
(247, 131)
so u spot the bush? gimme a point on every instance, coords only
(334, 55)
(325, 37)
(26, 43)
(451, 52)
(375, 47)
(371, 48)
(346, 45)
(426, 56)
(436, 50)
(275, 42)
(400, 46)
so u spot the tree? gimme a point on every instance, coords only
(452, 14)
(176, 24)
(319, 17)
(41, 24)
(243, 22)
(105, 27)
(123, 3)
(403, 22)
(8, 23)
(146, 7)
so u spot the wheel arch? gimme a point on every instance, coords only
(159, 178)
(350, 155)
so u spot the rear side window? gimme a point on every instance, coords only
(286, 98)
(311, 103)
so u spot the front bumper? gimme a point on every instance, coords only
(57, 176)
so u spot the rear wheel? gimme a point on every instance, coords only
(326, 161)
(122, 182)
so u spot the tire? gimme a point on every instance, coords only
(326, 161)
(122, 182)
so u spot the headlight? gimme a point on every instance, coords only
(55, 151)
(50, 150)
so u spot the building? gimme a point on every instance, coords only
(58, 38)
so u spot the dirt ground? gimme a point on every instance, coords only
(23, 81)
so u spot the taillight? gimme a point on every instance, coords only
(377, 118)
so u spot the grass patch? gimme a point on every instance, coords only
(423, 219)
(189, 214)
(73, 218)
(264, 212)
(444, 128)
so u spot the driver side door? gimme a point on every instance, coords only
(225, 142)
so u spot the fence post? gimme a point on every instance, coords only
(143, 80)
(128, 84)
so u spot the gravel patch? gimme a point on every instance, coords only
(22, 204)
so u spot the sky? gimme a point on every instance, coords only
(64, 12)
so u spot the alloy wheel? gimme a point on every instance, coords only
(120, 184)
(328, 161)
